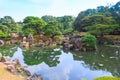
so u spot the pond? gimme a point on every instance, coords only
(58, 64)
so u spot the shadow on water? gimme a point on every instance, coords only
(59, 64)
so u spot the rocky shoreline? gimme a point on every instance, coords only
(15, 68)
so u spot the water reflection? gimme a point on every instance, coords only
(105, 58)
(57, 64)
(34, 57)
(8, 50)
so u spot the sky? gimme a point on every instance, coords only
(19, 9)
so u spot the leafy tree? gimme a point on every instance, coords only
(28, 31)
(29, 19)
(97, 21)
(115, 10)
(4, 28)
(10, 23)
(81, 15)
(52, 28)
(34, 23)
(66, 23)
(100, 25)
(48, 18)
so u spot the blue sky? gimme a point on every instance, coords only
(19, 9)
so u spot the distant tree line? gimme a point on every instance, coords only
(47, 24)
(99, 21)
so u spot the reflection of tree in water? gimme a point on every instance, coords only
(8, 50)
(34, 57)
(105, 58)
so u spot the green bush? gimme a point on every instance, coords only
(107, 78)
(89, 40)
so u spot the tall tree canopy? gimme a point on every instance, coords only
(48, 18)
(102, 20)
(66, 23)
(33, 25)
(52, 28)
(10, 23)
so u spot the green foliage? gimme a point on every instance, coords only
(28, 31)
(102, 20)
(52, 28)
(3, 35)
(35, 57)
(66, 23)
(67, 31)
(89, 40)
(4, 28)
(56, 37)
(34, 24)
(48, 18)
(9, 22)
(29, 19)
(8, 50)
(107, 78)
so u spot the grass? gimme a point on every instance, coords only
(107, 78)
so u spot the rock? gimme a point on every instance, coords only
(8, 62)
(12, 69)
(30, 39)
(9, 67)
(117, 43)
(27, 72)
(5, 59)
(66, 45)
(35, 77)
(1, 42)
(15, 62)
(40, 43)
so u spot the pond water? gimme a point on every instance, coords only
(58, 64)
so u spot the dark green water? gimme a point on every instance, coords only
(57, 64)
